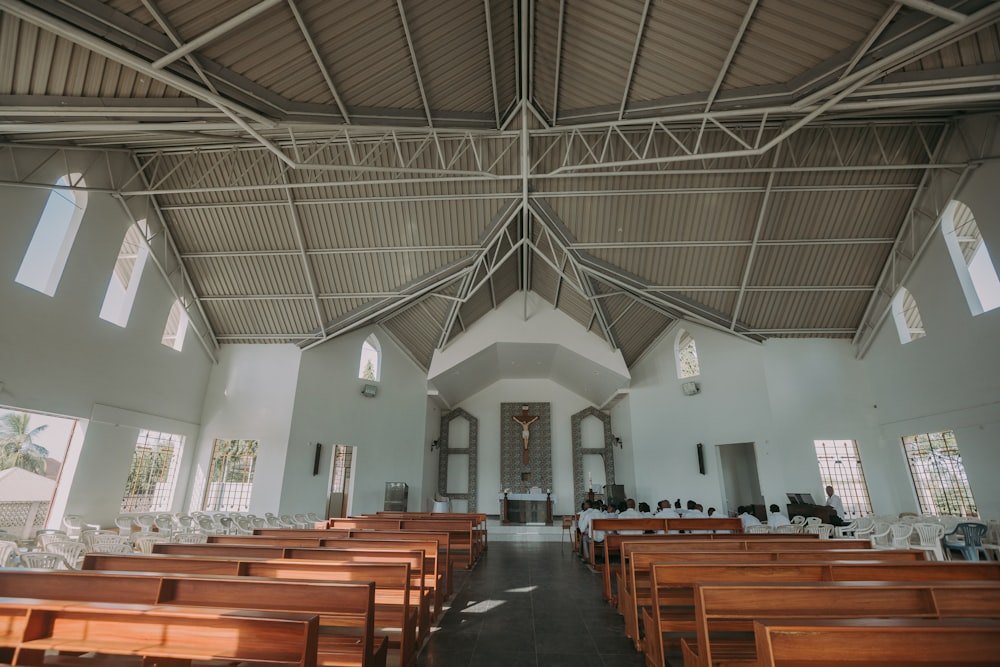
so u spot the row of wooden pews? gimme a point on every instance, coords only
(370, 594)
(739, 601)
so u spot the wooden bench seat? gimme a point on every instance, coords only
(731, 609)
(671, 614)
(414, 558)
(882, 642)
(395, 615)
(464, 542)
(479, 521)
(446, 561)
(265, 546)
(346, 611)
(170, 634)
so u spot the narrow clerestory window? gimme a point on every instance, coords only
(906, 315)
(176, 328)
(46, 256)
(686, 355)
(975, 268)
(371, 360)
(124, 283)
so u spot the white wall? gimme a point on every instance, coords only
(57, 355)
(250, 396)
(388, 430)
(950, 379)
(485, 406)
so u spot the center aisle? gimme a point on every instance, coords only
(529, 604)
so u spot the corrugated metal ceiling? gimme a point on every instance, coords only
(321, 166)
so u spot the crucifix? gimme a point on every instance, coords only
(525, 422)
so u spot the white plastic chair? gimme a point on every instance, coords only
(798, 520)
(145, 522)
(71, 551)
(144, 544)
(901, 535)
(881, 535)
(930, 535)
(190, 538)
(824, 530)
(789, 528)
(813, 521)
(73, 525)
(109, 543)
(8, 551)
(88, 537)
(186, 522)
(312, 516)
(42, 560)
(757, 528)
(46, 535)
(124, 523)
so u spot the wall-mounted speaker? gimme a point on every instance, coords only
(701, 459)
(369, 390)
(319, 452)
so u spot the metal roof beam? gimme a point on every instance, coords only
(493, 62)
(935, 9)
(751, 8)
(635, 57)
(216, 32)
(413, 61)
(168, 29)
(323, 69)
(751, 255)
(558, 64)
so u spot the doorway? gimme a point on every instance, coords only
(740, 481)
(341, 482)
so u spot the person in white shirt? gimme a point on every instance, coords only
(583, 524)
(694, 511)
(630, 512)
(746, 518)
(775, 518)
(665, 511)
(833, 500)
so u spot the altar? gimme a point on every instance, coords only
(527, 508)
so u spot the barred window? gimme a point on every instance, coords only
(939, 475)
(840, 467)
(230, 476)
(152, 478)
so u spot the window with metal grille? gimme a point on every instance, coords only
(230, 476)
(153, 475)
(687, 356)
(939, 474)
(840, 467)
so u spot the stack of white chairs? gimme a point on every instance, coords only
(757, 528)
(881, 535)
(189, 538)
(124, 523)
(901, 532)
(789, 528)
(110, 543)
(824, 530)
(46, 535)
(798, 520)
(313, 517)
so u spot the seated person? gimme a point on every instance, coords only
(747, 518)
(694, 511)
(775, 518)
(627, 510)
(665, 511)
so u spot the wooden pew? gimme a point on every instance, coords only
(478, 517)
(414, 558)
(395, 615)
(464, 544)
(266, 546)
(726, 610)
(612, 547)
(672, 590)
(883, 642)
(166, 634)
(636, 591)
(346, 610)
(446, 566)
(732, 525)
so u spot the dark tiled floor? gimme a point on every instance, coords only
(529, 605)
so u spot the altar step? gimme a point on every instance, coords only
(525, 532)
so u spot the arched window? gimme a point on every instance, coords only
(176, 329)
(45, 259)
(370, 367)
(976, 271)
(124, 282)
(686, 355)
(905, 313)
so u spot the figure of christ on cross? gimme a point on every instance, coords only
(525, 422)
